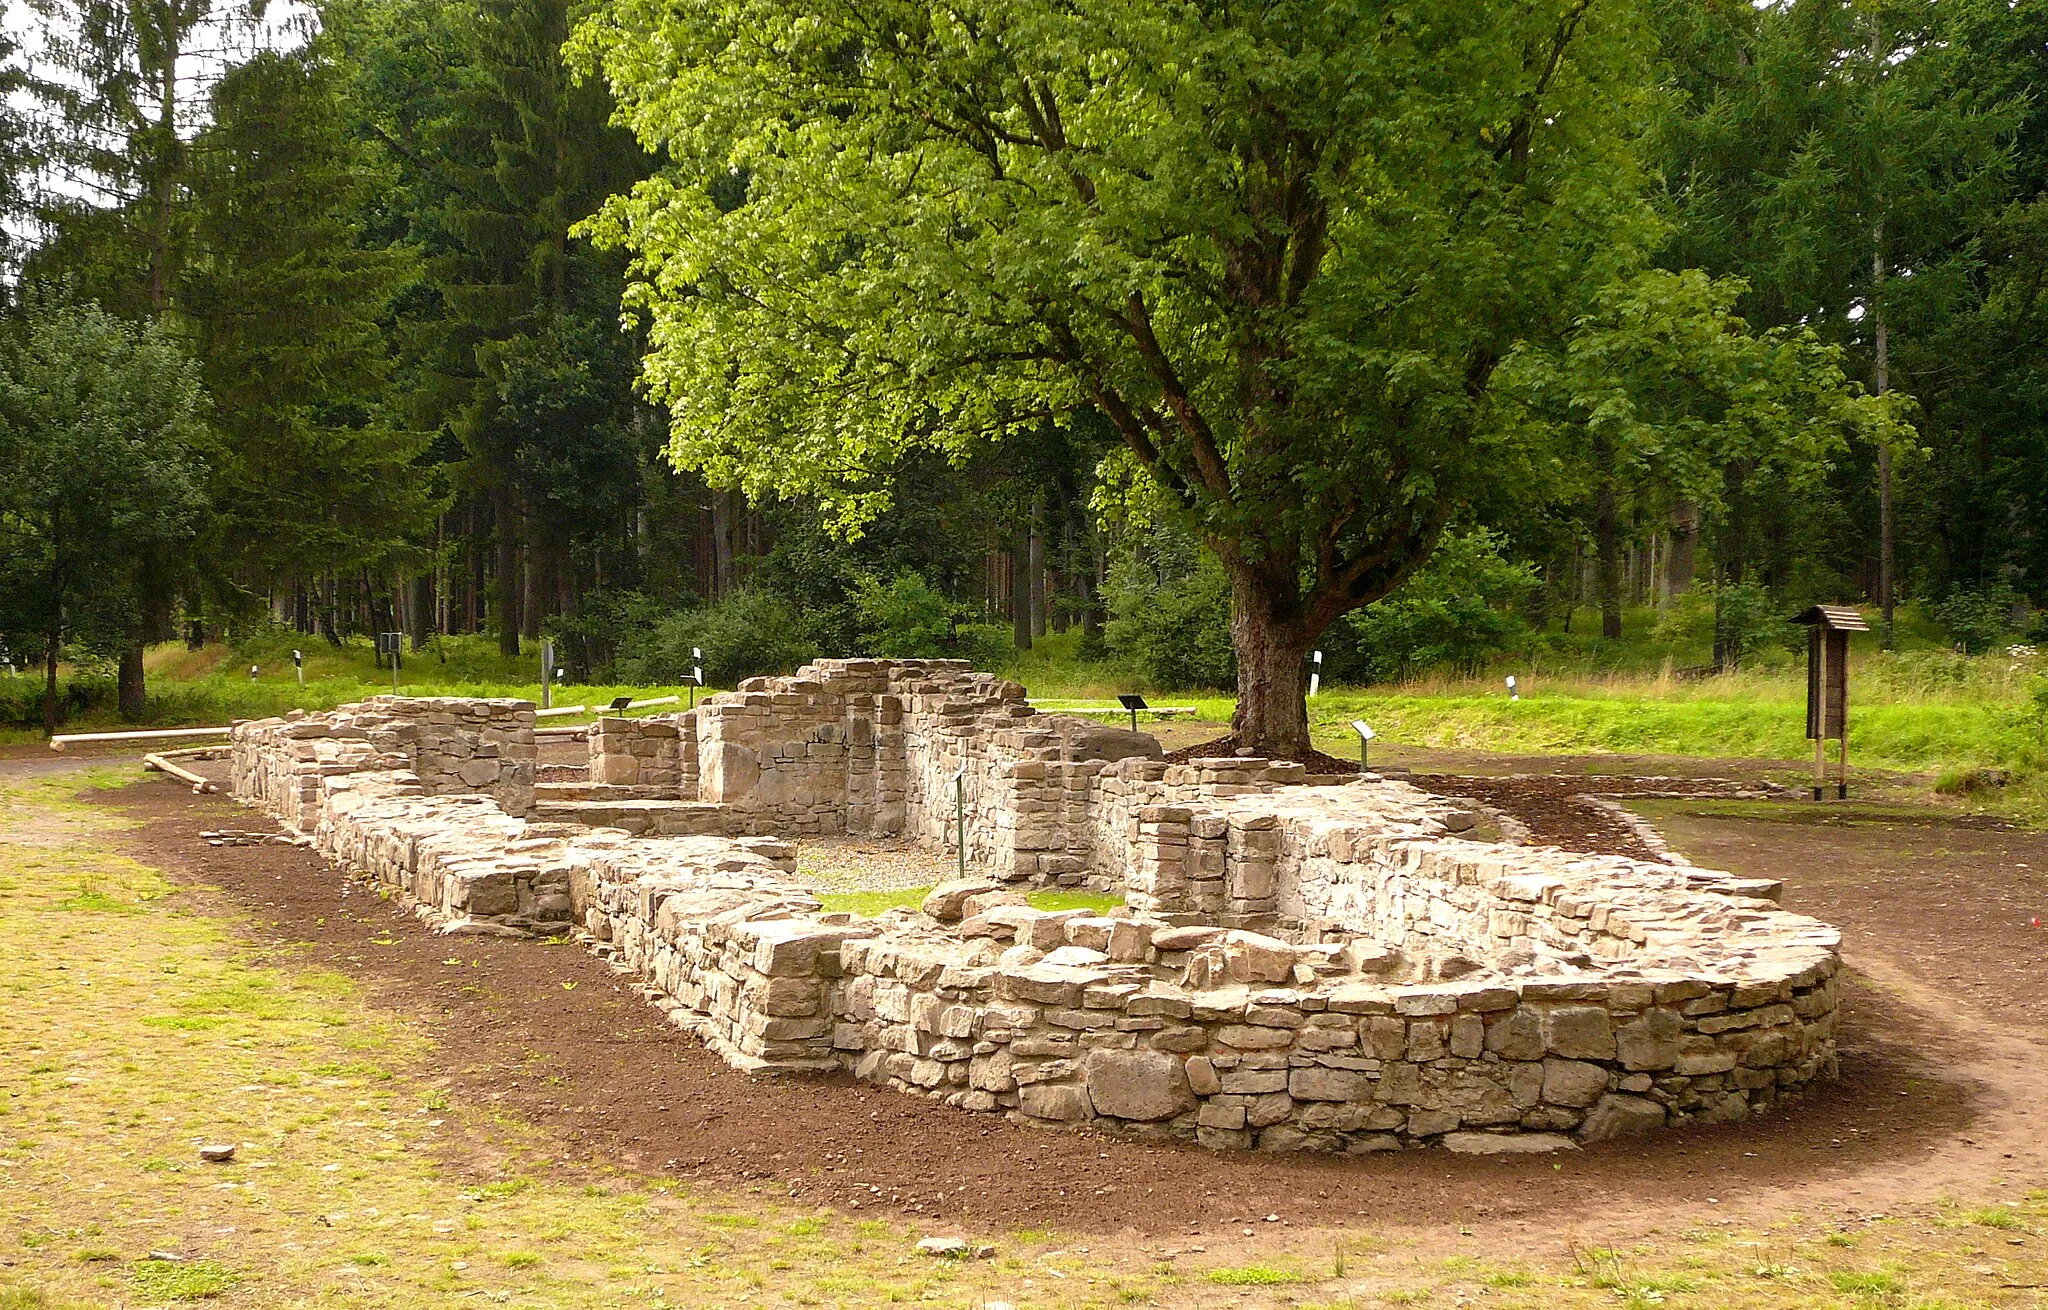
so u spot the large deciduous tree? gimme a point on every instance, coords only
(1283, 247)
(101, 423)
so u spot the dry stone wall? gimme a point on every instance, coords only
(452, 745)
(1299, 966)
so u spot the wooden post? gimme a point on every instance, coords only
(1820, 736)
(1842, 785)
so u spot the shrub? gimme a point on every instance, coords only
(905, 618)
(1177, 632)
(743, 635)
(1457, 612)
(1744, 615)
(987, 645)
(1979, 620)
(588, 642)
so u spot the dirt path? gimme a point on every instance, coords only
(1930, 1092)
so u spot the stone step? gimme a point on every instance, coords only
(665, 818)
(601, 791)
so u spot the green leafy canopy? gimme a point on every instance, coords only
(1281, 246)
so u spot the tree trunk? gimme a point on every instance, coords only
(506, 583)
(1607, 569)
(130, 692)
(1881, 379)
(1678, 558)
(326, 618)
(426, 616)
(1272, 685)
(1098, 579)
(1020, 590)
(50, 642)
(1036, 566)
(529, 591)
(721, 542)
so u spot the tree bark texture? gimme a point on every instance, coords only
(1035, 565)
(1607, 539)
(1272, 649)
(507, 580)
(1881, 380)
(130, 692)
(50, 643)
(1678, 558)
(1020, 589)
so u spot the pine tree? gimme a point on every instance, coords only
(127, 80)
(314, 472)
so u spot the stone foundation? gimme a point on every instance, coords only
(452, 745)
(1298, 966)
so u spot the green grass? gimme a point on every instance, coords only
(182, 1280)
(1978, 726)
(1253, 1276)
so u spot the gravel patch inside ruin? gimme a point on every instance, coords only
(853, 864)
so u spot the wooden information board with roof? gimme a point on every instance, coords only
(1827, 688)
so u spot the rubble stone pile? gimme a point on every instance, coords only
(1298, 965)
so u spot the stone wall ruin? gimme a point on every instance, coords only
(1299, 964)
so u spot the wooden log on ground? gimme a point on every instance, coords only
(200, 786)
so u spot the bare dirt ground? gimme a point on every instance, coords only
(1942, 1076)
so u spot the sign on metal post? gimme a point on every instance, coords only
(1365, 736)
(393, 645)
(1133, 702)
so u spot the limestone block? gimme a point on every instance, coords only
(1579, 1032)
(948, 901)
(1137, 1084)
(1573, 1082)
(1616, 1115)
(1060, 1102)
(1315, 1084)
(1519, 1036)
(1651, 1041)
(1253, 957)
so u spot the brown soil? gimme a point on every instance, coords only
(1223, 747)
(1931, 1094)
(1555, 807)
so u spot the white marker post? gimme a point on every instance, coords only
(299, 666)
(1365, 736)
(1315, 678)
(696, 672)
(547, 675)
(1512, 693)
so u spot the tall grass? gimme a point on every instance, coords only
(1917, 710)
